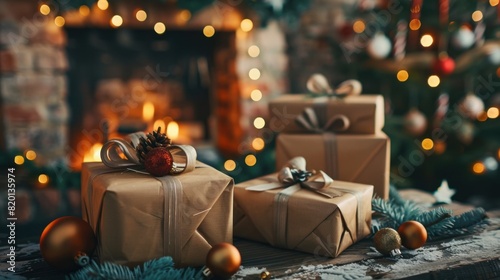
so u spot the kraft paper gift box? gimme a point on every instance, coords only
(139, 217)
(304, 220)
(365, 112)
(354, 158)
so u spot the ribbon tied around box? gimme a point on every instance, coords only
(318, 85)
(309, 120)
(119, 153)
(294, 176)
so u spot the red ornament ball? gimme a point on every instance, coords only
(413, 234)
(67, 242)
(444, 66)
(159, 162)
(223, 260)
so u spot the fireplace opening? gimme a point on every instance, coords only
(126, 80)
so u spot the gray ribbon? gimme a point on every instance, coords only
(118, 153)
(309, 120)
(318, 85)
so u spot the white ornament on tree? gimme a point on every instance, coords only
(494, 56)
(463, 38)
(379, 46)
(471, 106)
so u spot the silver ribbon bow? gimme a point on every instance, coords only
(294, 176)
(318, 84)
(120, 153)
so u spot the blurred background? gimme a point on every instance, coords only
(76, 73)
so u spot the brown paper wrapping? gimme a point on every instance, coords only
(127, 212)
(362, 159)
(365, 112)
(315, 224)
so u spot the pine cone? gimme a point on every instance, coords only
(152, 140)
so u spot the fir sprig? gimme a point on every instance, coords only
(439, 222)
(162, 268)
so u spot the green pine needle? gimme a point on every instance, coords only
(162, 268)
(439, 222)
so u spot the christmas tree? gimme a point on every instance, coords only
(437, 65)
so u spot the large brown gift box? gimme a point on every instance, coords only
(364, 112)
(138, 217)
(362, 159)
(314, 223)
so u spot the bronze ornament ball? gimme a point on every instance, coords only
(66, 241)
(223, 260)
(413, 234)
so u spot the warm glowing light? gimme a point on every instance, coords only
(246, 25)
(116, 21)
(439, 147)
(159, 123)
(477, 16)
(43, 179)
(208, 31)
(426, 40)
(498, 154)
(19, 160)
(254, 74)
(84, 10)
(494, 3)
(259, 122)
(415, 24)
(94, 154)
(102, 4)
(44, 9)
(258, 144)
(498, 72)
(141, 15)
(482, 117)
(184, 15)
(148, 111)
(478, 168)
(359, 26)
(160, 27)
(30, 155)
(256, 95)
(173, 130)
(253, 51)
(402, 75)
(250, 160)
(230, 165)
(427, 144)
(59, 21)
(493, 113)
(433, 81)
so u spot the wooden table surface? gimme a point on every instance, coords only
(440, 259)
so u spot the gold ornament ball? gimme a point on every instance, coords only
(413, 234)
(66, 241)
(223, 260)
(387, 242)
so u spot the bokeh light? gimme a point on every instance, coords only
(246, 25)
(258, 144)
(427, 144)
(250, 160)
(230, 165)
(402, 75)
(160, 27)
(116, 21)
(30, 155)
(359, 26)
(19, 160)
(208, 31)
(141, 15)
(426, 40)
(253, 51)
(259, 122)
(256, 95)
(433, 81)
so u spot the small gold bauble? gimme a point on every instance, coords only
(388, 242)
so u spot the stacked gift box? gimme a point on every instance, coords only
(331, 157)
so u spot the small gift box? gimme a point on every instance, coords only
(298, 210)
(354, 158)
(138, 217)
(357, 114)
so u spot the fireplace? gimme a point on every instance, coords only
(126, 80)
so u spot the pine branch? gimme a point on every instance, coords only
(162, 268)
(394, 195)
(433, 217)
(468, 218)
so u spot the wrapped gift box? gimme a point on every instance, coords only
(354, 158)
(138, 217)
(314, 223)
(365, 112)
